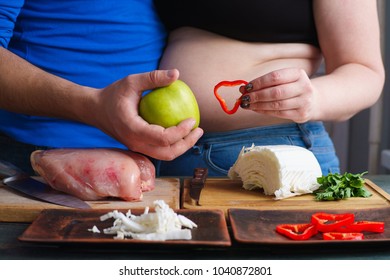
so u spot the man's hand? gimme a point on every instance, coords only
(117, 115)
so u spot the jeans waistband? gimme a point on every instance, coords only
(290, 129)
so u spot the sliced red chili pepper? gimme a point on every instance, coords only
(222, 101)
(326, 222)
(359, 226)
(297, 231)
(342, 236)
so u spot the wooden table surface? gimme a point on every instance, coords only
(13, 249)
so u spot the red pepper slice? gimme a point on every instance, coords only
(297, 231)
(359, 226)
(326, 222)
(342, 236)
(222, 101)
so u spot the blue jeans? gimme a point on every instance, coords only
(218, 151)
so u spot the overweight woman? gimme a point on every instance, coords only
(277, 46)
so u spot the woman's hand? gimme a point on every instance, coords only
(286, 93)
(117, 115)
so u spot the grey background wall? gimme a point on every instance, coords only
(385, 125)
(360, 140)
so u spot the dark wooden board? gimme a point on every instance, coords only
(258, 226)
(71, 226)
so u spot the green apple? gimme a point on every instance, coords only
(168, 106)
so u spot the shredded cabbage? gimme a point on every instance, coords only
(163, 224)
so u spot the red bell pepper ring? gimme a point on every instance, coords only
(360, 226)
(326, 222)
(342, 236)
(222, 101)
(297, 231)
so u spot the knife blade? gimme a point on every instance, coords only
(17, 179)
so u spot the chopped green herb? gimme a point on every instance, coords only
(337, 186)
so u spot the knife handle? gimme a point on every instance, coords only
(7, 169)
(197, 183)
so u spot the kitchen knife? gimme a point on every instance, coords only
(197, 183)
(17, 179)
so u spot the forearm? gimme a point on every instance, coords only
(26, 89)
(349, 37)
(346, 91)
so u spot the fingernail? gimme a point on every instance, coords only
(192, 123)
(245, 101)
(199, 131)
(248, 87)
(171, 73)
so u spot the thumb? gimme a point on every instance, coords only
(155, 79)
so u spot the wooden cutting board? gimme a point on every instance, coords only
(16, 207)
(220, 193)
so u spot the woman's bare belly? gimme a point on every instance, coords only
(204, 59)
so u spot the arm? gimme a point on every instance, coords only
(349, 39)
(27, 89)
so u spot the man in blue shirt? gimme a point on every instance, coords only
(69, 76)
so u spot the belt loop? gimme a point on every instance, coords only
(306, 135)
(197, 150)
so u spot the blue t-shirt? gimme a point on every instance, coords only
(89, 42)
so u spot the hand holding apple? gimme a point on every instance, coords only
(115, 110)
(168, 106)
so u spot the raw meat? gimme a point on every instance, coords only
(93, 174)
(147, 170)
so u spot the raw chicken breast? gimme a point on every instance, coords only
(147, 170)
(93, 174)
